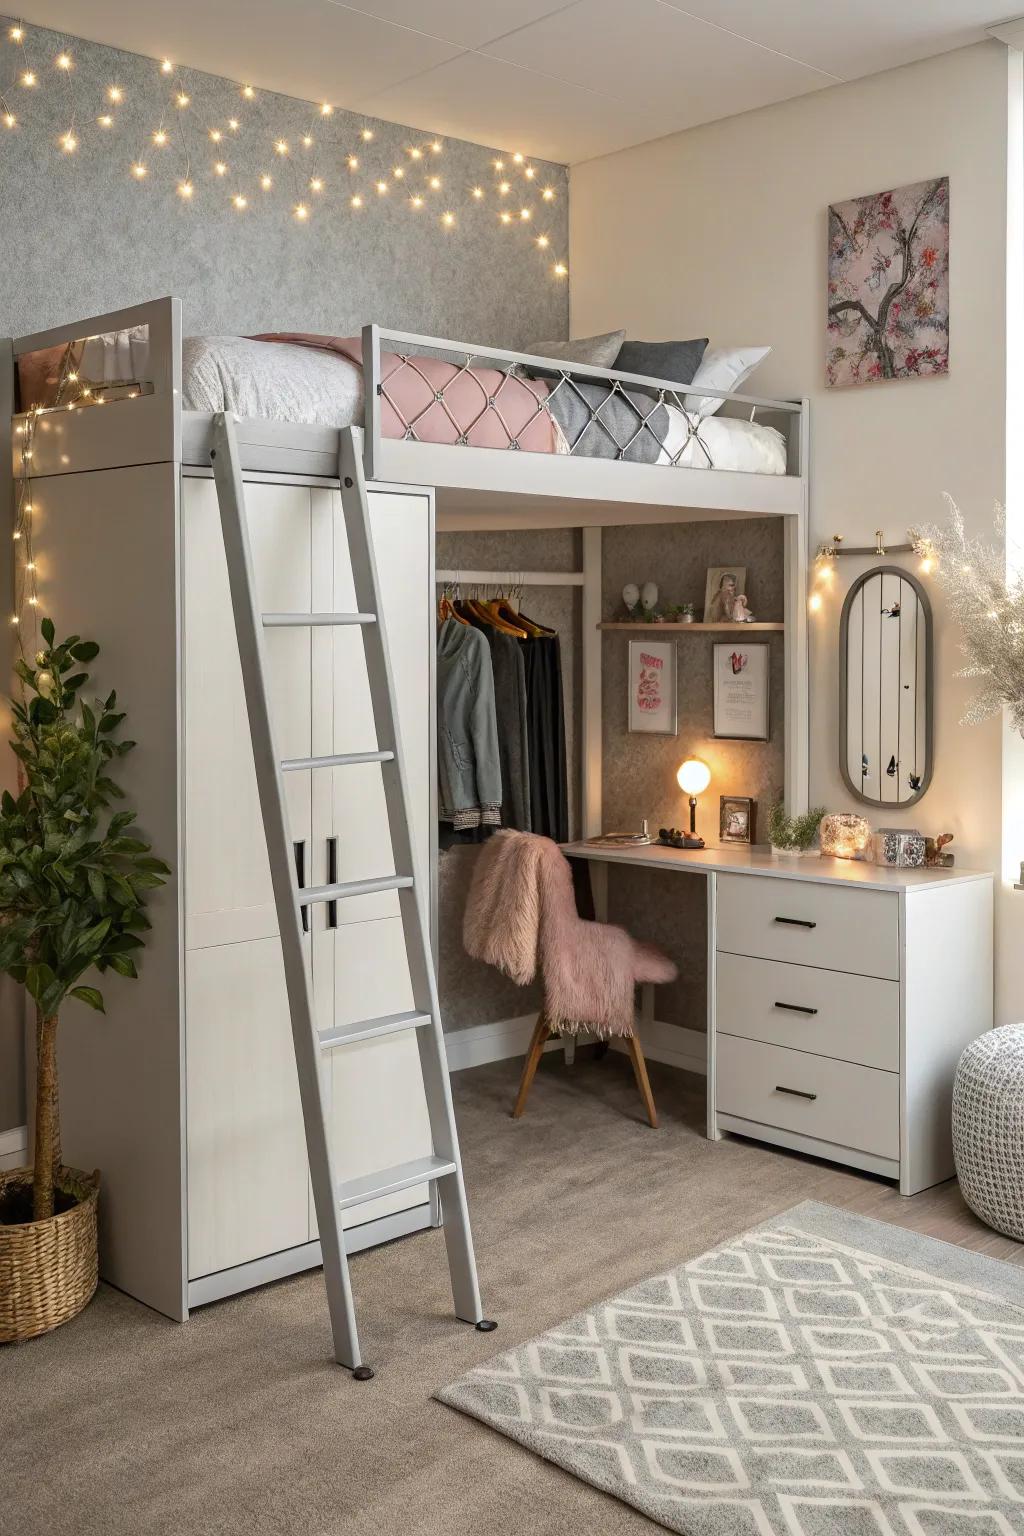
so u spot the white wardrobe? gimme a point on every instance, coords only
(134, 558)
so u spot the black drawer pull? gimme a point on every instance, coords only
(332, 879)
(299, 850)
(796, 922)
(798, 1093)
(794, 1008)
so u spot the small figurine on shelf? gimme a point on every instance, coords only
(630, 598)
(741, 613)
(934, 857)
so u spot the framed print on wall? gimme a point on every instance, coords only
(652, 687)
(741, 692)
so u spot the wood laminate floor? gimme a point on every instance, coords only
(237, 1423)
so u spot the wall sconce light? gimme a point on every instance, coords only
(693, 778)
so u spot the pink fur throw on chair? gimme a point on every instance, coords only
(521, 912)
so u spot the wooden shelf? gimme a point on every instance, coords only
(700, 629)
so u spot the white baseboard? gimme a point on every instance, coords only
(13, 1148)
(673, 1045)
(481, 1043)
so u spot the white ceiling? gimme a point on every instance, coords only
(559, 81)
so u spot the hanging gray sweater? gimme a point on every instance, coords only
(469, 776)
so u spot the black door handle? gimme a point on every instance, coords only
(332, 879)
(794, 1008)
(299, 849)
(796, 922)
(798, 1093)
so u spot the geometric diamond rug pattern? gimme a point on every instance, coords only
(822, 1375)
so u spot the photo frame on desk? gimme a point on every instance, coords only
(652, 687)
(741, 691)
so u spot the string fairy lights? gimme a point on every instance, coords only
(182, 110)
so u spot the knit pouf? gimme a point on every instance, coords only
(988, 1128)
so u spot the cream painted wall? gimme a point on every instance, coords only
(721, 231)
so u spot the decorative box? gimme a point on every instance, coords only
(899, 847)
(845, 836)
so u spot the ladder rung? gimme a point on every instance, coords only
(315, 893)
(337, 760)
(389, 1181)
(369, 1029)
(315, 620)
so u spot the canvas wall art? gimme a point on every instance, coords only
(888, 285)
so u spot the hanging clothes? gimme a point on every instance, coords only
(509, 672)
(549, 788)
(469, 768)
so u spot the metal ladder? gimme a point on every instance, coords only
(443, 1169)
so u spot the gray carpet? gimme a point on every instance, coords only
(236, 1424)
(819, 1374)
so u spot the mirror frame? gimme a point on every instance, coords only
(929, 699)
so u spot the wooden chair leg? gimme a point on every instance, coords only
(541, 1031)
(636, 1056)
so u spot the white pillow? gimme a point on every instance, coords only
(722, 368)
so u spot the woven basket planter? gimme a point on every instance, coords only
(48, 1269)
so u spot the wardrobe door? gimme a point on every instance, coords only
(247, 1174)
(378, 1114)
(228, 894)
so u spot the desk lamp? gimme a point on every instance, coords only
(693, 778)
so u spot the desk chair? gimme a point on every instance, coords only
(521, 916)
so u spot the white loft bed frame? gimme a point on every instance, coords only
(468, 488)
(473, 488)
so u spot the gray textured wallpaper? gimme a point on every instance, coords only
(81, 235)
(640, 770)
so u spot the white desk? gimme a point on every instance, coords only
(840, 995)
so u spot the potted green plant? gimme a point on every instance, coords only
(793, 836)
(74, 881)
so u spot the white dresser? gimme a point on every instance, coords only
(842, 1001)
(840, 996)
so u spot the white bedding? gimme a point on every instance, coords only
(270, 379)
(279, 382)
(732, 442)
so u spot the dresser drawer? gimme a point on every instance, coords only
(832, 1101)
(810, 923)
(852, 1018)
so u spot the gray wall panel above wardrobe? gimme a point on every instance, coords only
(82, 236)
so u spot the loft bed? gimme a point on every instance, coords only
(205, 1186)
(561, 453)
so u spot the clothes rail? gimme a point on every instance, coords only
(513, 578)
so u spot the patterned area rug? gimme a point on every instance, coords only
(822, 1375)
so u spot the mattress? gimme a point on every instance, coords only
(434, 401)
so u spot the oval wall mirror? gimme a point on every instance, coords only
(885, 688)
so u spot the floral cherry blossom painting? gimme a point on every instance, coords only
(888, 285)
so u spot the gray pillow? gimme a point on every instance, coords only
(592, 351)
(674, 361)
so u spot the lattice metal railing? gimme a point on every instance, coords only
(511, 401)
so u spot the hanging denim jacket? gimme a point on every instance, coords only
(469, 776)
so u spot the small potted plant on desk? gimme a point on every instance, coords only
(793, 836)
(73, 885)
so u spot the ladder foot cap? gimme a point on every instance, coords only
(363, 1373)
(485, 1325)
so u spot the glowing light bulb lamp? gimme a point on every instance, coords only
(693, 778)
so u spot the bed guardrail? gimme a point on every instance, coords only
(69, 432)
(621, 409)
